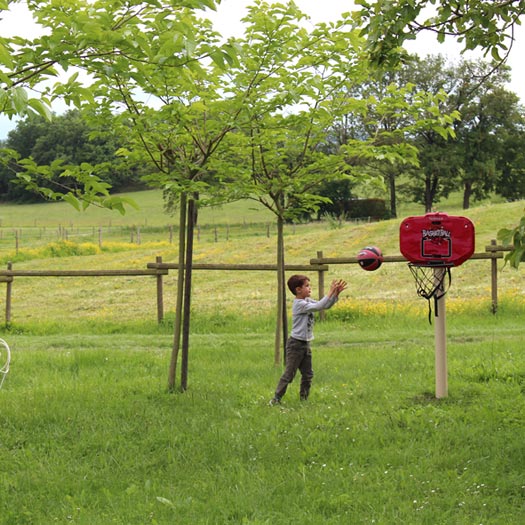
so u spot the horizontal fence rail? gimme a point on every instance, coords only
(79, 273)
(247, 267)
(159, 269)
(493, 252)
(496, 254)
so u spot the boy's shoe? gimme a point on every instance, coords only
(274, 401)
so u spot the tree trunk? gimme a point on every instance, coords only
(467, 193)
(392, 185)
(283, 292)
(187, 295)
(431, 187)
(281, 310)
(180, 295)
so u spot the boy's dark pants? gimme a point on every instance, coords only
(298, 357)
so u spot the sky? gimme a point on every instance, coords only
(227, 22)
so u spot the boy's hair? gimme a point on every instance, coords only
(296, 281)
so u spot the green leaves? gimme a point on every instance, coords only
(40, 107)
(481, 24)
(516, 238)
(119, 55)
(53, 182)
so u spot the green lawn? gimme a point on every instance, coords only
(89, 434)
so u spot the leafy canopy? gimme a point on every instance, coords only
(113, 52)
(477, 24)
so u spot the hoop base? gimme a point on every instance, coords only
(5, 360)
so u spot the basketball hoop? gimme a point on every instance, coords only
(432, 245)
(430, 281)
(437, 239)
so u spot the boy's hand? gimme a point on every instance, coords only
(337, 287)
(341, 286)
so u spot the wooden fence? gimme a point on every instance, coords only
(134, 234)
(493, 252)
(159, 269)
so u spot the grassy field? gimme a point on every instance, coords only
(238, 233)
(90, 436)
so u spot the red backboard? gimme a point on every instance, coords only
(437, 239)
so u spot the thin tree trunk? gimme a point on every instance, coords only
(467, 192)
(279, 332)
(393, 204)
(180, 294)
(428, 194)
(187, 295)
(283, 292)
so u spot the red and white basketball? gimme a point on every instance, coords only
(370, 258)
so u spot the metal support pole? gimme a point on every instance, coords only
(441, 342)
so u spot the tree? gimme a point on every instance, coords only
(469, 160)
(476, 24)
(436, 175)
(178, 131)
(96, 39)
(487, 110)
(416, 90)
(71, 139)
(284, 148)
(362, 125)
(287, 77)
(511, 163)
(152, 72)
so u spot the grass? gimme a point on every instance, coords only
(90, 435)
(132, 299)
(150, 213)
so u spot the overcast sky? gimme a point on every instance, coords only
(227, 21)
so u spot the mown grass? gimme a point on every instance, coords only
(90, 436)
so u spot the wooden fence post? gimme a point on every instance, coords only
(494, 277)
(9, 291)
(320, 280)
(160, 294)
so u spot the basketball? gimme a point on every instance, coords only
(370, 258)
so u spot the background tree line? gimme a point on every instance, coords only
(485, 156)
(72, 139)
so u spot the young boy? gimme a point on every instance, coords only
(298, 349)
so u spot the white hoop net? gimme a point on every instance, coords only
(5, 360)
(431, 282)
